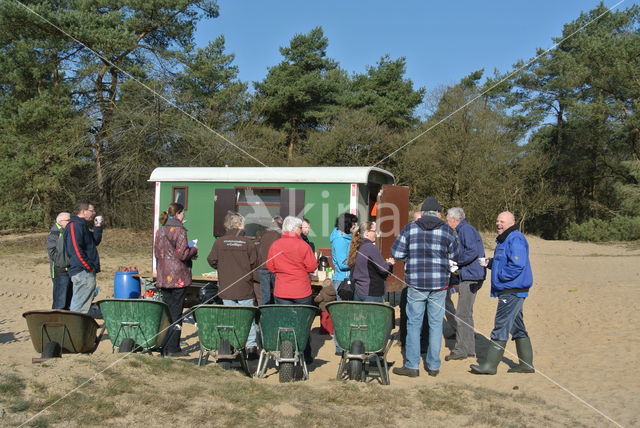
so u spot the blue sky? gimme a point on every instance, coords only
(442, 41)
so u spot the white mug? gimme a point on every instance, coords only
(99, 220)
(484, 261)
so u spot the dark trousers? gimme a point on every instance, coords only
(174, 298)
(267, 281)
(62, 291)
(301, 301)
(509, 318)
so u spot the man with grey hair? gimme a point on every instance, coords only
(291, 260)
(471, 276)
(62, 286)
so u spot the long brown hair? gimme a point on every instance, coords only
(356, 241)
(173, 209)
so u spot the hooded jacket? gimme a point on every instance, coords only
(510, 266)
(340, 243)
(426, 246)
(81, 245)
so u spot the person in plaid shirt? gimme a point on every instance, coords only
(426, 246)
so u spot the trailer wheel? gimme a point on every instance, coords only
(286, 368)
(224, 348)
(355, 364)
(51, 350)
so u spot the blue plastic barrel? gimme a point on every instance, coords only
(125, 285)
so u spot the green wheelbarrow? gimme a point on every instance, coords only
(224, 329)
(56, 332)
(135, 324)
(285, 332)
(363, 329)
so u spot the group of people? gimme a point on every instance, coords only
(72, 246)
(441, 256)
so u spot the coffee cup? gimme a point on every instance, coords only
(484, 261)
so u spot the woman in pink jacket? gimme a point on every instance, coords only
(173, 256)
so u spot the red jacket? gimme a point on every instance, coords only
(291, 259)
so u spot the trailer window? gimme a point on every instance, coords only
(179, 194)
(258, 205)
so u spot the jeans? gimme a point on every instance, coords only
(300, 301)
(509, 318)
(424, 334)
(267, 281)
(174, 298)
(417, 302)
(84, 284)
(357, 297)
(252, 339)
(62, 291)
(465, 339)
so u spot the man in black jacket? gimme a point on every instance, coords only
(59, 275)
(84, 262)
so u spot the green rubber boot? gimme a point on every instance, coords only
(525, 355)
(494, 355)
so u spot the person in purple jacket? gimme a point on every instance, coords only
(369, 269)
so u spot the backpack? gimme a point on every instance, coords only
(61, 259)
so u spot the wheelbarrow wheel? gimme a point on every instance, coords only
(127, 345)
(355, 364)
(286, 368)
(224, 348)
(51, 350)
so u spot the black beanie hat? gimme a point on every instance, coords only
(431, 204)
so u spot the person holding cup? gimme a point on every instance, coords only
(81, 244)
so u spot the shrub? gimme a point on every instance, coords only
(619, 228)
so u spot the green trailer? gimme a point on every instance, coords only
(319, 194)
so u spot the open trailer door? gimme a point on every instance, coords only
(392, 214)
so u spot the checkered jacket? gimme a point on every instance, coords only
(426, 246)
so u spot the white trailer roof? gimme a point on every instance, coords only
(332, 174)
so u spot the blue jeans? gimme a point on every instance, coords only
(417, 302)
(357, 297)
(84, 284)
(267, 281)
(251, 340)
(509, 318)
(62, 291)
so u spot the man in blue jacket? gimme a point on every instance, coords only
(426, 245)
(471, 276)
(84, 261)
(511, 279)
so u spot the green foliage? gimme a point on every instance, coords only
(619, 228)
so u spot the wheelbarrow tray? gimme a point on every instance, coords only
(144, 321)
(285, 322)
(368, 322)
(75, 332)
(217, 322)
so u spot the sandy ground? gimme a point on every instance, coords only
(582, 317)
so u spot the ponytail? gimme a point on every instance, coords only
(356, 241)
(173, 209)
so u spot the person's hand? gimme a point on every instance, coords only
(391, 261)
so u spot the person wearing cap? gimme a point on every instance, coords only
(471, 276)
(427, 246)
(511, 279)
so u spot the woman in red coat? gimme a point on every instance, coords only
(173, 256)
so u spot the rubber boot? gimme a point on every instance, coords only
(494, 355)
(525, 355)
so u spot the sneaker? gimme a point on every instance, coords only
(433, 373)
(406, 371)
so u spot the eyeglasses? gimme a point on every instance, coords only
(91, 211)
